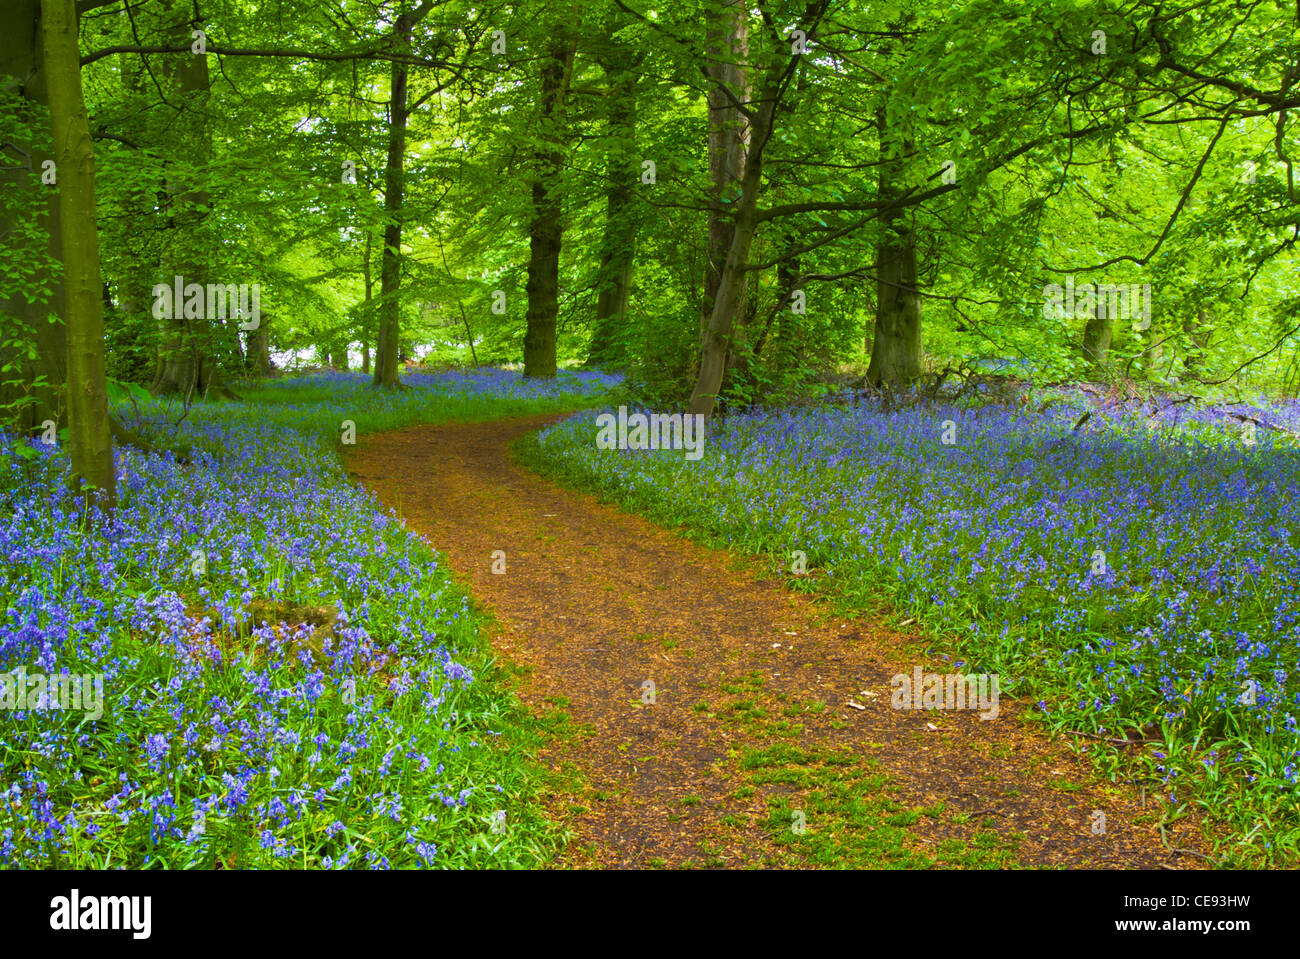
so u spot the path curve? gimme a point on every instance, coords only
(599, 602)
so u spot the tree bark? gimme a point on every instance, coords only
(729, 301)
(187, 348)
(896, 346)
(366, 306)
(90, 440)
(257, 351)
(618, 247)
(394, 195)
(726, 47)
(546, 229)
(136, 266)
(390, 265)
(36, 384)
(1096, 340)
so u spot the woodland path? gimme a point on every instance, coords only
(752, 685)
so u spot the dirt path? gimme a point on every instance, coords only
(749, 728)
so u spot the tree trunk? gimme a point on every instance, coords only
(1096, 340)
(618, 247)
(730, 298)
(546, 229)
(35, 383)
(257, 351)
(187, 349)
(896, 346)
(134, 263)
(726, 48)
(90, 445)
(727, 305)
(366, 306)
(390, 265)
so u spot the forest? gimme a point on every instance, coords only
(789, 434)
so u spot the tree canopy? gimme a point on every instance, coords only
(731, 203)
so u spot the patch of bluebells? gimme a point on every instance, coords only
(497, 382)
(481, 393)
(1137, 572)
(224, 739)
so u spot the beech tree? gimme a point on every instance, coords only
(390, 263)
(546, 225)
(90, 444)
(35, 354)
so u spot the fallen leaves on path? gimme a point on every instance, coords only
(739, 732)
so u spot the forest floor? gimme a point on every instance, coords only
(746, 751)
